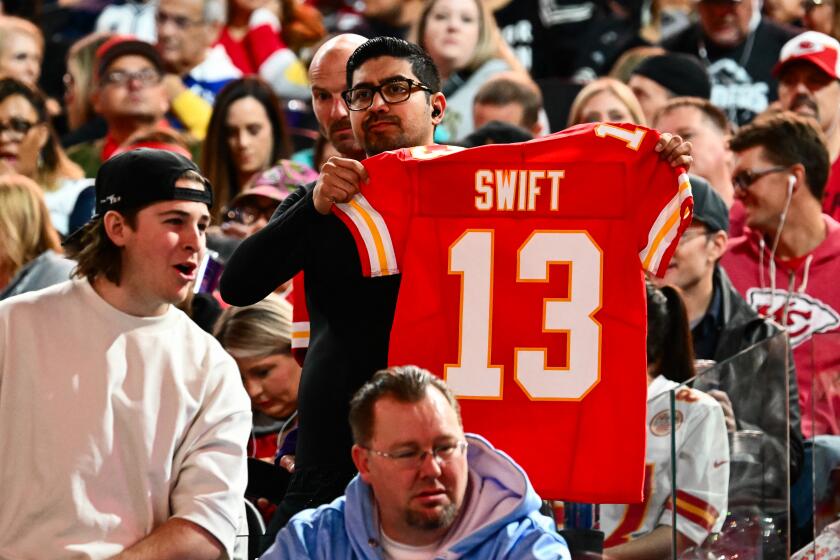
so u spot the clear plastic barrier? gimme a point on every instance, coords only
(752, 390)
(816, 494)
(717, 486)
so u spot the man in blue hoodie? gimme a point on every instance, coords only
(424, 488)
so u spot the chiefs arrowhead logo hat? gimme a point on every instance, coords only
(812, 46)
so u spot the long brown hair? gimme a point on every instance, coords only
(216, 160)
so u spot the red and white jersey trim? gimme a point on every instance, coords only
(372, 236)
(666, 228)
(300, 334)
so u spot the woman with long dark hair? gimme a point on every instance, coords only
(247, 135)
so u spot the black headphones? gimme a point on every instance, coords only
(435, 112)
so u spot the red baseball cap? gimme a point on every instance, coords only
(121, 45)
(817, 48)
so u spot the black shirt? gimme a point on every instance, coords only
(742, 81)
(350, 317)
(705, 333)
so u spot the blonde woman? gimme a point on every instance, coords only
(606, 100)
(30, 251)
(464, 41)
(259, 339)
(84, 124)
(21, 49)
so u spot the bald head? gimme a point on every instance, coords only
(335, 51)
(327, 79)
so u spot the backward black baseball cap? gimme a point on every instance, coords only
(137, 178)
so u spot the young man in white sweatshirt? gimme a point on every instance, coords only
(123, 424)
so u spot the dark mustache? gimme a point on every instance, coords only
(803, 100)
(376, 119)
(340, 125)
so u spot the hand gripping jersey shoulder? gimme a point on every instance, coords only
(522, 285)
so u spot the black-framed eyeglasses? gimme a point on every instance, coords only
(181, 22)
(146, 77)
(414, 458)
(393, 91)
(746, 177)
(18, 127)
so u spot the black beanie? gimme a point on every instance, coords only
(681, 74)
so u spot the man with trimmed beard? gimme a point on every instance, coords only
(808, 72)
(424, 488)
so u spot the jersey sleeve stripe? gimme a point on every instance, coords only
(695, 510)
(300, 334)
(351, 221)
(372, 235)
(382, 236)
(373, 240)
(664, 234)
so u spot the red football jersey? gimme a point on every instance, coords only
(523, 287)
(300, 319)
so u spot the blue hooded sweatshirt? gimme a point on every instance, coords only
(501, 519)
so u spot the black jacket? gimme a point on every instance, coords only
(760, 399)
(350, 315)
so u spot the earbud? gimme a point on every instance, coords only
(435, 112)
(791, 182)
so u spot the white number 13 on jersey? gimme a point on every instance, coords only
(471, 256)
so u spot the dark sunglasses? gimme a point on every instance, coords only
(745, 178)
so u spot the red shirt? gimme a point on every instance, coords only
(249, 53)
(831, 195)
(523, 286)
(802, 297)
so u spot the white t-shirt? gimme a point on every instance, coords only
(111, 424)
(398, 551)
(62, 201)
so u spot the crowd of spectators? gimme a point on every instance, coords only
(265, 104)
